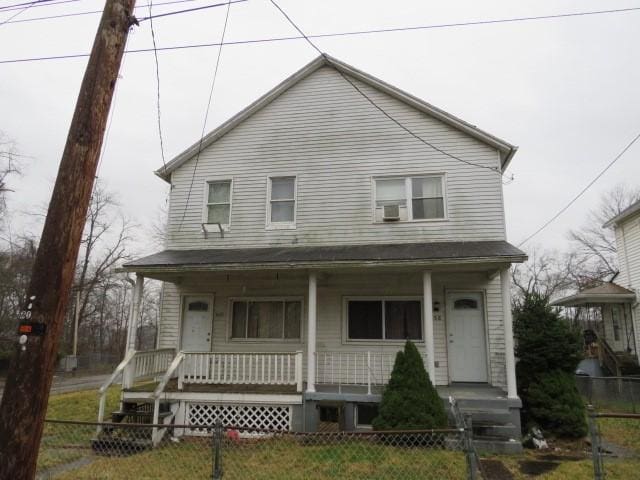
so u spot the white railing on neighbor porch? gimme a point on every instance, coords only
(136, 366)
(242, 368)
(368, 368)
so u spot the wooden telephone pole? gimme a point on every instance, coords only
(26, 392)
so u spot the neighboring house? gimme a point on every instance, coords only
(308, 240)
(617, 303)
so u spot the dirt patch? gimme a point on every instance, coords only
(535, 467)
(495, 470)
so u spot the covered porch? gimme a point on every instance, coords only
(605, 314)
(333, 318)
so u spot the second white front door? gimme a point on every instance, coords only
(466, 337)
(196, 324)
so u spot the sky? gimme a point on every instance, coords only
(564, 90)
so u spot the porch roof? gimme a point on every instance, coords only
(428, 253)
(606, 293)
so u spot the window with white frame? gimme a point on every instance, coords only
(409, 198)
(266, 319)
(384, 319)
(219, 202)
(282, 201)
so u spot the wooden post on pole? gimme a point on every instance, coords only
(26, 391)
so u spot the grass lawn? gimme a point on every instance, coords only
(273, 459)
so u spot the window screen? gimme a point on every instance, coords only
(365, 319)
(384, 320)
(219, 202)
(269, 319)
(427, 197)
(283, 199)
(402, 320)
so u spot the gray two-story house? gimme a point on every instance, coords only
(308, 238)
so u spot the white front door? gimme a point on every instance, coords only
(196, 324)
(466, 336)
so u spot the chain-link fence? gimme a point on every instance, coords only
(603, 453)
(611, 394)
(75, 450)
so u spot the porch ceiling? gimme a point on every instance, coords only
(388, 255)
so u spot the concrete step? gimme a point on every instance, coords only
(505, 431)
(488, 415)
(490, 444)
(490, 403)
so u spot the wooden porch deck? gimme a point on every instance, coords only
(172, 387)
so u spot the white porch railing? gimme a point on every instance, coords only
(242, 368)
(366, 368)
(136, 366)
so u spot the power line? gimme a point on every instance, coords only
(206, 115)
(155, 56)
(168, 14)
(37, 3)
(573, 200)
(378, 107)
(92, 12)
(336, 34)
(24, 9)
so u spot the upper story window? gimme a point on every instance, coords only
(219, 202)
(409, 198)
(281, 208)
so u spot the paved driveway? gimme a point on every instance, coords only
(65, 384)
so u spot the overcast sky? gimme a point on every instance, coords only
(566, 91)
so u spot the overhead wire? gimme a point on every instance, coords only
(24, 9)
(582, 192)
(157, 64)
(92, 12)
(37, 3)
(378, 107)
(206, 115)
(336, 34)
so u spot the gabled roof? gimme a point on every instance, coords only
(605, 293)
(507, 151)
(626, 213)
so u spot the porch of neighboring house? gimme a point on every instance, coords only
(605, 313)
(287, 349)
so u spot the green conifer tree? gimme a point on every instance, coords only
(410, 401)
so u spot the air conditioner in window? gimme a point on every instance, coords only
(391, 213)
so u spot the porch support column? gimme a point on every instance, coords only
(311, 333)
(509, 356)
(427, 304)
(134, 312)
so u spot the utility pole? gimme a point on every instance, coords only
(26, 392)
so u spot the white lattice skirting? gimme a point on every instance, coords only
(273, 417)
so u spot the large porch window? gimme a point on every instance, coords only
(258, 319)
(384, 319)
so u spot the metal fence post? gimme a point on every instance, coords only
(216, 443)
(472, 468)
(598, 471)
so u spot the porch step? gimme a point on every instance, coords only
(138, 416)
(503, 431)
(488, 416)
(497, 445)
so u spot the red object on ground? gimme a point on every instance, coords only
(233, 435)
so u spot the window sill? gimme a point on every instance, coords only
(421, 220)
(379, 342)
(281, 226)
(292, 341)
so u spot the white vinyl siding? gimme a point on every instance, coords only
(336, 142)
